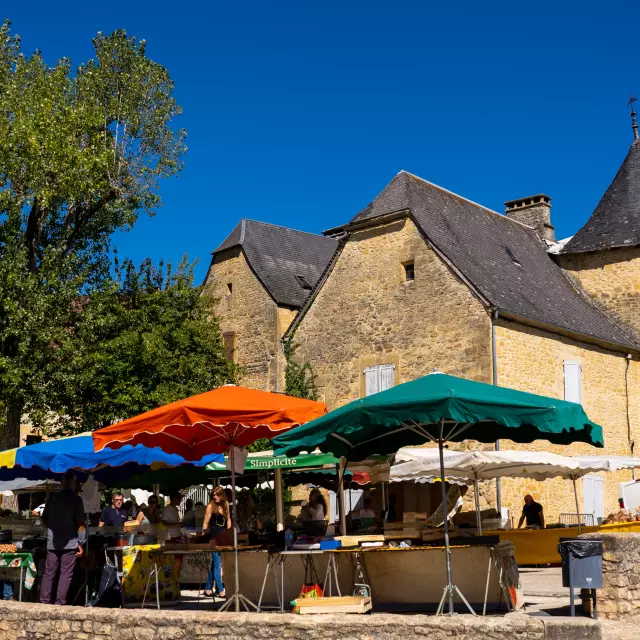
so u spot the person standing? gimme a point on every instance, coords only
(216, 521)
(63, 515)
(532, 512)
(115, 515)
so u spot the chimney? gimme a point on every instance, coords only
(534, 211)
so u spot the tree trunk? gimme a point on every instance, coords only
(10, 435)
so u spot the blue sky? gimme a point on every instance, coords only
(299, 113)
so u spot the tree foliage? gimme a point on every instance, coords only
(82, 154)
(148, 339)
(300, 380)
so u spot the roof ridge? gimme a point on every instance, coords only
(472, 202)
(280, 226)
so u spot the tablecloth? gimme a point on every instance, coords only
(138, 562)
(15, 561)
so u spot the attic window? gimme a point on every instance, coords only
(229, 288)
(510, 254)
(409, 271)
(302, 281)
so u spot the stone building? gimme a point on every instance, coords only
(423, 278)
(260, 276)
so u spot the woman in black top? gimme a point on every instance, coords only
(216, 521)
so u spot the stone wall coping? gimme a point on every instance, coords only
(23, 621)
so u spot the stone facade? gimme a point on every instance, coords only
(368, 314)
(20, 621)
(612, 277)
(250, 318)
(620, 596)
(532, 360)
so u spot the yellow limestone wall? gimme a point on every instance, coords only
(253, 315)
(612, 277)
(532, 360)
(367, 314)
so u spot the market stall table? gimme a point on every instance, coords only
(10, 562)
(400, 578)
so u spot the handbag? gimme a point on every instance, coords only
(312, 587)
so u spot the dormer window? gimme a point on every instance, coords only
(409, 271)
(302, 281)
(513, 257)
(229, 288)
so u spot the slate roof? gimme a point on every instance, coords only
(616, 220)
(505, 261)
(278, 254)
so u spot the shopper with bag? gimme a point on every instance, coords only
(216, 521)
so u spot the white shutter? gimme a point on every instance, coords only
(386, 376)
(372, 380)
(378, 378)
(572, 381)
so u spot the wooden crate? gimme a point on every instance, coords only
(344, 604)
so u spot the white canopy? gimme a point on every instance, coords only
(422, 465)
(416, 464)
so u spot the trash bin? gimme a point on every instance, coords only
(581, 567)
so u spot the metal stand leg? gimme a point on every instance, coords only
(572, 607)
(21, 581)
(327, 577)
(282, 584)
(335, 573)
(264, 581)
(155, 566)
(486, 588)
(595, 605)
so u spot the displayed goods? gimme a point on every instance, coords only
(344, 604)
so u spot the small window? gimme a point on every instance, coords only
(409, 271)
(302, 281)
(572, 381)
(229, 288)
(379, 378)
(229, 345)
(512, 256)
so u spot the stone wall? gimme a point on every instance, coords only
(532, 360)
(40, 622)
(367, 314)
(612, 277)
(620, 595)
(249, 312)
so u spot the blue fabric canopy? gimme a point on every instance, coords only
(49, 460)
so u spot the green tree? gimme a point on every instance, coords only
(149, 339)
(82, 154)
(300, 380)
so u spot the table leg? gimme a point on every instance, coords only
(335, 573)
(155, 564)
(486, 588)
(264, 581)
(281, 584)
(327, 577)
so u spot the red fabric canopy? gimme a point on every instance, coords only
(211, 422)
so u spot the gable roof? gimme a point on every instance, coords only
(287, 262)
(616, 220)
(504, 261)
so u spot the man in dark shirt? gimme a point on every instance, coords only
(532, 512)
(115, 515)
(63, 515)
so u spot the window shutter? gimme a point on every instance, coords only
(572, 381)
(371, 380)
(378, 378)
(386, 376)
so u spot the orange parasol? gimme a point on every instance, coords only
(211, 422)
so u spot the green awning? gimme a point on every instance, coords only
(262, 462)
(413, 412)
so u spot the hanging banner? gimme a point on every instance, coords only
(267, 462)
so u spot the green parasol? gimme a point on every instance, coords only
(411, 413)
(440, 408)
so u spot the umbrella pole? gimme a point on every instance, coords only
(575, 495)
(478, 514)
(447, 550)
(277, 485)
(237, 597)
(343, 515)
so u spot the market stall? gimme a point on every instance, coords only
(439, 408)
